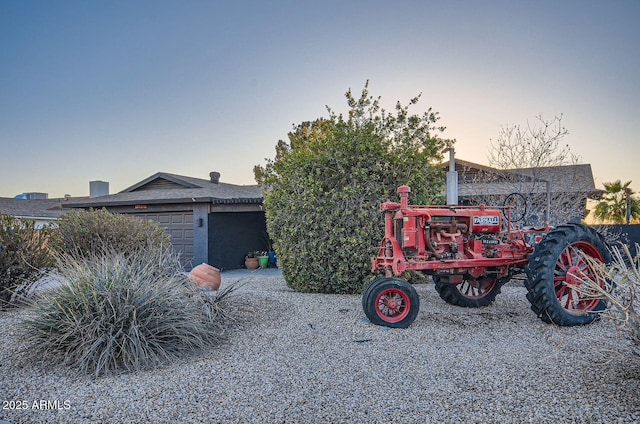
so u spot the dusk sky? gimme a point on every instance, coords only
(119, 90)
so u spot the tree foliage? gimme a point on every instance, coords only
(324, 187)
(613, 206)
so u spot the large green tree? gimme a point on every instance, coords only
(613, 206)
(324, 186)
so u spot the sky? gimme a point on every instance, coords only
(119, 90)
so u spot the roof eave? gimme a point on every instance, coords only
(213, 200)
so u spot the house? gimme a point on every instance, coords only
(42, 210)
(562, 190)
(209, 221)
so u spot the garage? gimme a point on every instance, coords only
(179, 226)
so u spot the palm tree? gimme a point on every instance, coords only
(618, 204)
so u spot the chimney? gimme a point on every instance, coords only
(98, 188)
(214, 177)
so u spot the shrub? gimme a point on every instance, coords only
(324, 188)
(118, 312)
(84, 234)
(23, 256)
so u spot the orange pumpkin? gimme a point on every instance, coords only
(206, 276)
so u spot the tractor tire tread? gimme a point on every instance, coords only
(540, 286)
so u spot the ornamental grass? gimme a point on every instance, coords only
(621, 290)
(119, 312)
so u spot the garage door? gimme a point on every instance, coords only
(179, 225)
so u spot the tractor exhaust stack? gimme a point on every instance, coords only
(452, 178)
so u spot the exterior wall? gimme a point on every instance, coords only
(200, 234)
(39, 223)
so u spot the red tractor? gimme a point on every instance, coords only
(470, 252)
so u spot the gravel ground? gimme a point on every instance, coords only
(309, 358)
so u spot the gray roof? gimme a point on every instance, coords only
(164, 187)
(565, 178)
(570, 179)
(35, 209)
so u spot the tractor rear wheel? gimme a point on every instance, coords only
(391, 302)
(555, 270)
(471, 293)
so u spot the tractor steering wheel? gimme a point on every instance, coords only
(518, 205)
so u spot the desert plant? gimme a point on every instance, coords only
(621, 290)
(118, 312)
(85, 233)
(215, 307)
(23, 256)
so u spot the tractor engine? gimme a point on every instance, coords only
(463, 241)
(445, 234)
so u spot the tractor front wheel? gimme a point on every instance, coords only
(391, 302)
(471, 293)
(557, 267)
